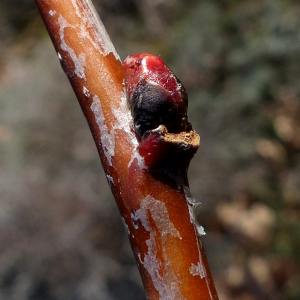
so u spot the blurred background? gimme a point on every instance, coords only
(61, 236)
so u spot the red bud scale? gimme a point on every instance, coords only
(155, 95)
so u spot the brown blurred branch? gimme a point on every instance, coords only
(158, 214)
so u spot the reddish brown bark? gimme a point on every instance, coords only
(157, 212)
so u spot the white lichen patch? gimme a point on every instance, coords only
(79, 61)
(92, 29)
(134, 220)
(52, 12)
(140, 159)
(200, 230)
(188, 195)
(123, 122)
(194, 207)
(194, 210)
(124, 119)
(166, 282)
(86, 92)
(110, 180)
(198, 270)
(97, 34)
(107, 138)
(158, 211)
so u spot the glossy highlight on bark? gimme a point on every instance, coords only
(155, 95)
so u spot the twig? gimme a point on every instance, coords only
(158, 215)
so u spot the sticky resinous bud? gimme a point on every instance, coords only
(158, 103)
